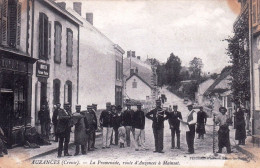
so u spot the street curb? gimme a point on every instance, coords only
(247, 153)
(51, 151)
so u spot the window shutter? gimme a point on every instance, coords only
(49, 38)
(69, 47)
(4, 22)
(58, 29)
(12, 23)
(1, 3)
(41, 23)
(45, 37)
(18, 28)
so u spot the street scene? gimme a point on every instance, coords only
(203, 147)
(129, 83)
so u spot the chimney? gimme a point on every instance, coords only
(128, 54)
(133, 54)
(132, 71)
(136, 70)
(62, 4)
(89, 17)
(138, 57)
(77, 7)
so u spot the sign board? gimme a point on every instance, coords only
(42, 69)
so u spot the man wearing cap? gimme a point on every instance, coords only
(223, 133)
(175, 125)
(201, 122)
(55, 120)
(128, 123)
(80, 138)
(63, 130)
(158, 116)
(92, 125)
(191, 122)
(139, 124)
(106, 122)
(117, 122)
(94, 106)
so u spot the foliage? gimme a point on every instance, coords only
(239, 54)
(196, 66)
(173, 68)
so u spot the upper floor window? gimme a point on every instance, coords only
(134, 84)
(57, 42)
(44, 35)
(119, 69)
(10, 23)
(69, 53)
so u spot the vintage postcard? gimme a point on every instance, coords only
(129, 83)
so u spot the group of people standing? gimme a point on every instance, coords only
(118, 125)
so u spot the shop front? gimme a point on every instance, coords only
(15, 95)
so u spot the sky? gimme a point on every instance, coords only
(153, 28)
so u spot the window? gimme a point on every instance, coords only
(10, 23)
(68, 92)
(43, 36)
(56, 91)
(69, 53)
(119, 68)
(57, 42)
(134, 84)
(118, 96)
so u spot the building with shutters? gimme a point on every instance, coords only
(16, 69)
(55, 43)
(100, 62)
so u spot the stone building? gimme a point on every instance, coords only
(55, 43)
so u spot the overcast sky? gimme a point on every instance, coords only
(188, 28)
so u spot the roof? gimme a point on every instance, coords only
(62, 11)
(134, 74)
(217, 81)
(144, 70)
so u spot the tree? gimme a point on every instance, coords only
(172, 69)
(196, 66)
(239, 54)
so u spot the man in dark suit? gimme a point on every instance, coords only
(94, 109)
(55, 120)
(128, 123)
(92, 123)
(63, 130)
(175, 125)
(158, 116)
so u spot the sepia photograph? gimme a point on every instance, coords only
(129, 83)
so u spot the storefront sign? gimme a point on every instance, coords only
(12, 64)
(42, 70)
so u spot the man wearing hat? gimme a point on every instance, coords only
(92, 125)
(201, 122)
(80, 137)
(94, 106)
(223, 133)
(55, 120)
(191, 122)
(158, 116)
(106, 122)
(128, 123)
(63, 130)
(139, 124)
(175, 125)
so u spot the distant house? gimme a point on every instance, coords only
(140, 79)
(202, 89)
(220, 90)
(138, 88)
